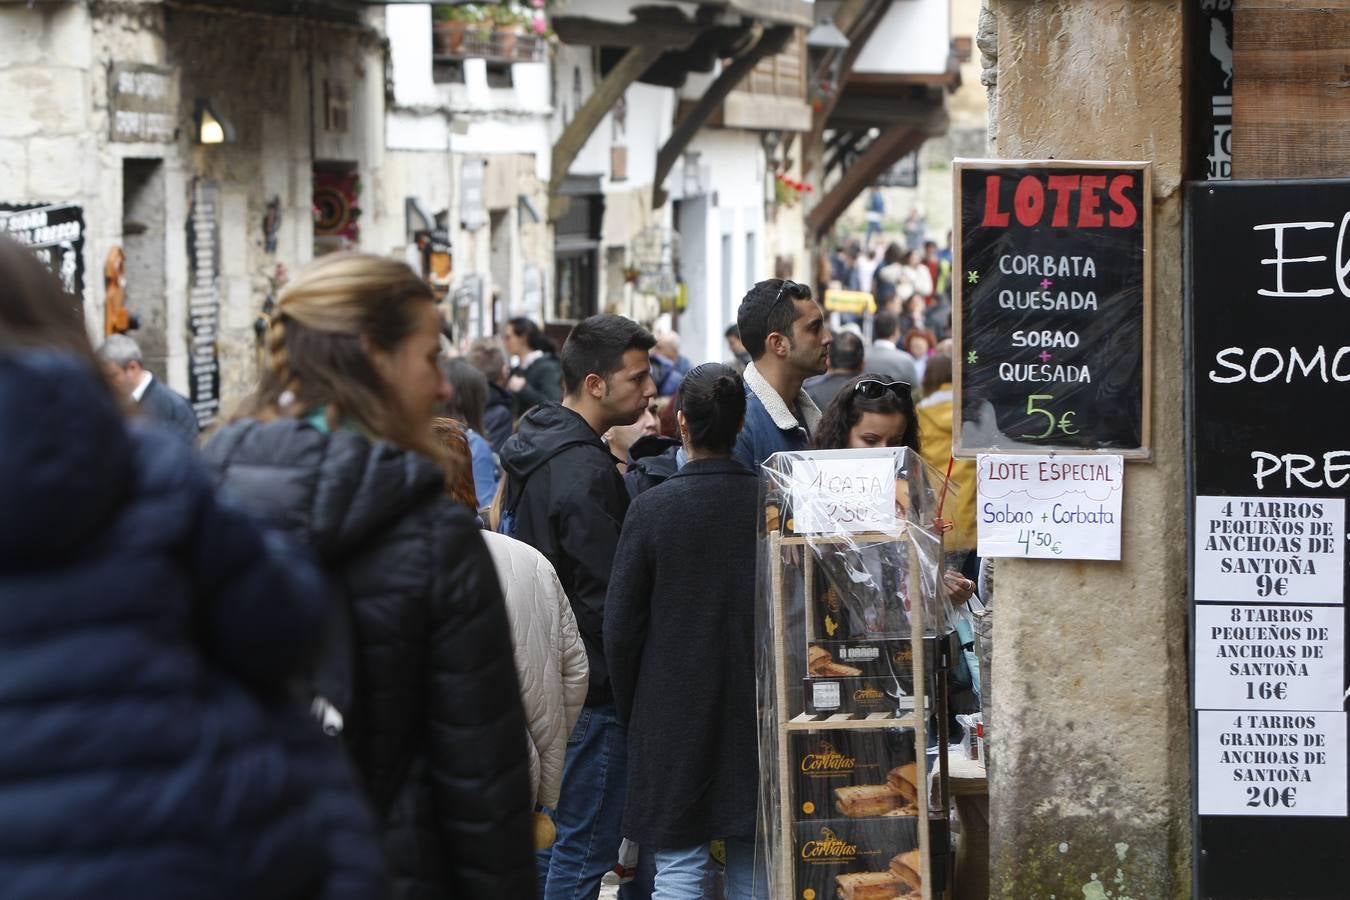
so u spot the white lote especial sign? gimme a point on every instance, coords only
(1270, 763)
(844, 495)
(1049, 507)
(1270, 549)
(1269, 657)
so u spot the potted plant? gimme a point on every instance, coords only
(509, 23)
(450, 25)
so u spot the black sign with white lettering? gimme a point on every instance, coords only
(1268, 325)
(1052, 307)
(55, 234)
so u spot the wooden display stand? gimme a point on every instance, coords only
(916, 720)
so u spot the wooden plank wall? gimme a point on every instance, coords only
(1291, 88)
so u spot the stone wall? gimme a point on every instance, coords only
(1091, 792)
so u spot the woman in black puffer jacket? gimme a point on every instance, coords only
(147, 634)
(336, 447)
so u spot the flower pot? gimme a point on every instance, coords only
(507, 38)
(449, 37)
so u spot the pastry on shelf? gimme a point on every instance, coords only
(862, 801)
(867, 885)
(904, 781)
(907, 867)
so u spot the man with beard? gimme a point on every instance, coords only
(783, 330)
(565, 497)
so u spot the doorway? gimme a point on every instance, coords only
(143, 224)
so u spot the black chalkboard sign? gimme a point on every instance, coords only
(1268, 387)
(1052, 306)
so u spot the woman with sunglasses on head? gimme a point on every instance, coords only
(869, 411)
(874, 411)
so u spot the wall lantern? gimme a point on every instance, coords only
(821, 41)
(211, 128)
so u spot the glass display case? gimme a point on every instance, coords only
(854, 631)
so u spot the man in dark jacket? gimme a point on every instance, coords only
(783, 328)
(126, 367)
(565, 498)
(486, 355)
(846, 362)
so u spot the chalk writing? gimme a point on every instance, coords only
(1052, 321)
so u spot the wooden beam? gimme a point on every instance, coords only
(771, 41)
(881, 154)
(670, 35)
(1291, 89)
(589, 116)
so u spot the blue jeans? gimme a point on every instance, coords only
(686, 873)
(590, 808)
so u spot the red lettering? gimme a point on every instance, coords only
(993, 216)
(1125, 215)
(1089, 214)
(1063, 186)
(1029, 201)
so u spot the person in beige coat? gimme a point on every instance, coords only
(550, 658)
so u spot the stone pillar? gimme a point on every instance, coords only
(1091, 791)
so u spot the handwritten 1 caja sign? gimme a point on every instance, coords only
(1268, 328)
(844, 495)
(1052, 306)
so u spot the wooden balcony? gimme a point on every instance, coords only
(772, 97)
(454, 42)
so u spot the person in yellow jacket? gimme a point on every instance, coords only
(935, 439)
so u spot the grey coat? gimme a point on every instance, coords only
(163, 404)
(893, 363)
(679, 638)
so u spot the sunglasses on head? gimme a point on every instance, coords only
(779, 297)
(875, 389)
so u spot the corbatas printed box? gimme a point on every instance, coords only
(853, 774)
(860, 658)
(864, 859)
(860, 696)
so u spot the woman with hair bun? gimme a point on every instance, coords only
(679, 637)
(417, 674)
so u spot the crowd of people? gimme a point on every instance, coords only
(404, 625)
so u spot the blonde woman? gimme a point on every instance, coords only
(417, 675)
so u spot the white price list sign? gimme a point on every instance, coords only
(1270, 549)
(1269, 657)
(1049, 507)
(1271, 763)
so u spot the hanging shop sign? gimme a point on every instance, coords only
(55, 234)
(142, 103)
(472, 184)
(1049, 507)
(1268, 312)
(1052, 307)
(204, 302)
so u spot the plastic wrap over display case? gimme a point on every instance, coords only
(852, 617)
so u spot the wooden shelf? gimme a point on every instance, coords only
(862, 537)
(850, 721)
